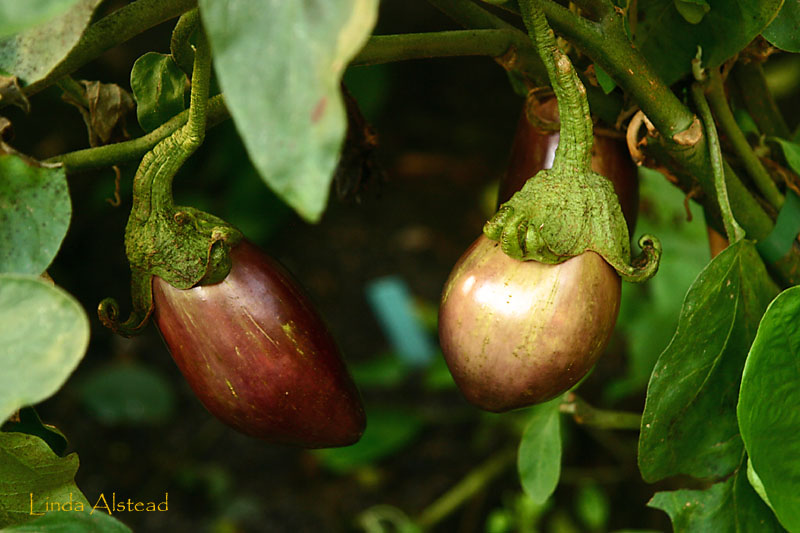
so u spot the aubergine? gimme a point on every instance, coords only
(259, 357)
(516, 333)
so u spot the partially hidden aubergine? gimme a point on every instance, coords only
(530, 306)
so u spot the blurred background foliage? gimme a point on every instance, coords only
(445, 129)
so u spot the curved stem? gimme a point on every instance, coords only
(465, 489)
(114, 29)
(732, 228)
(128, 151)
(723, 114)
(179, 44)
(607, 44)
(575, 145)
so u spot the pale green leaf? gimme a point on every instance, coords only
(539, 458)
(35, 210)
(44, 333)
(16, 15)
(280, 65)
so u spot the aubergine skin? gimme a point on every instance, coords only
(515, 333)
(259, 357)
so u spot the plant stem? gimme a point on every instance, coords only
(607, 44)
(489, 42)
(469, 14)
(198, 101)
(575, 146)
(465, 489)
(179, 44)
(734, 232)
(110, 31)
(724, 116)
(74, 89)
(128, 151)
(757, 98)
(585, 414)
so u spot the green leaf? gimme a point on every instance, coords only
(769, 406)
(43, 335)
(71, 522)
(29, 470)
(16, 16)
(670, 43)
(731, 506)
(35, 210)
(388, 431)
(791, 152)
(128, 394)
(30, 424)
(280, 69)
(158, 86)
(689, 423)
(592, 507)
(783, 32)
(757, 484)
(539, 459)
(692, 11)
(32, 54)
(606, 82)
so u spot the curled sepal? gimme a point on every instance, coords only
(561, 213)
(142, 298)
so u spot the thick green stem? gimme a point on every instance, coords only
(585, 414)
(724, 116)
(465, 489)
(128, 151)
(575, 146)
(490, 42)
(179, 44)
(732, 229)
(757, 98)
(607, 44)
(110, 31)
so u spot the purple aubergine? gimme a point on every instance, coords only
(259, 357)
(515, 333)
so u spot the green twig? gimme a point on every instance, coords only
(465, 489)
(732, 228)
(607, 44)
(110, 31)
(585, 414)
(128, 151)
(757, 98)
(73, 89)
(722, 112)
(487, 42)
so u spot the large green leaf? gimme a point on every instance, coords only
(31, 475)
(33, 53)
(669, 41)
(727, 507)
(539, 459)
(158, 85)
(784, 31)
(16, 16)
(43, 335)
(34, 215)
(71, 522)
(769, 406)
(280, 66)
(689, 423)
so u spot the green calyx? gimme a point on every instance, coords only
(568, 209)
(182, 245)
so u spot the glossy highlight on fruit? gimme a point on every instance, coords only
(534, 149)
(515, 333)
(259, 357)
